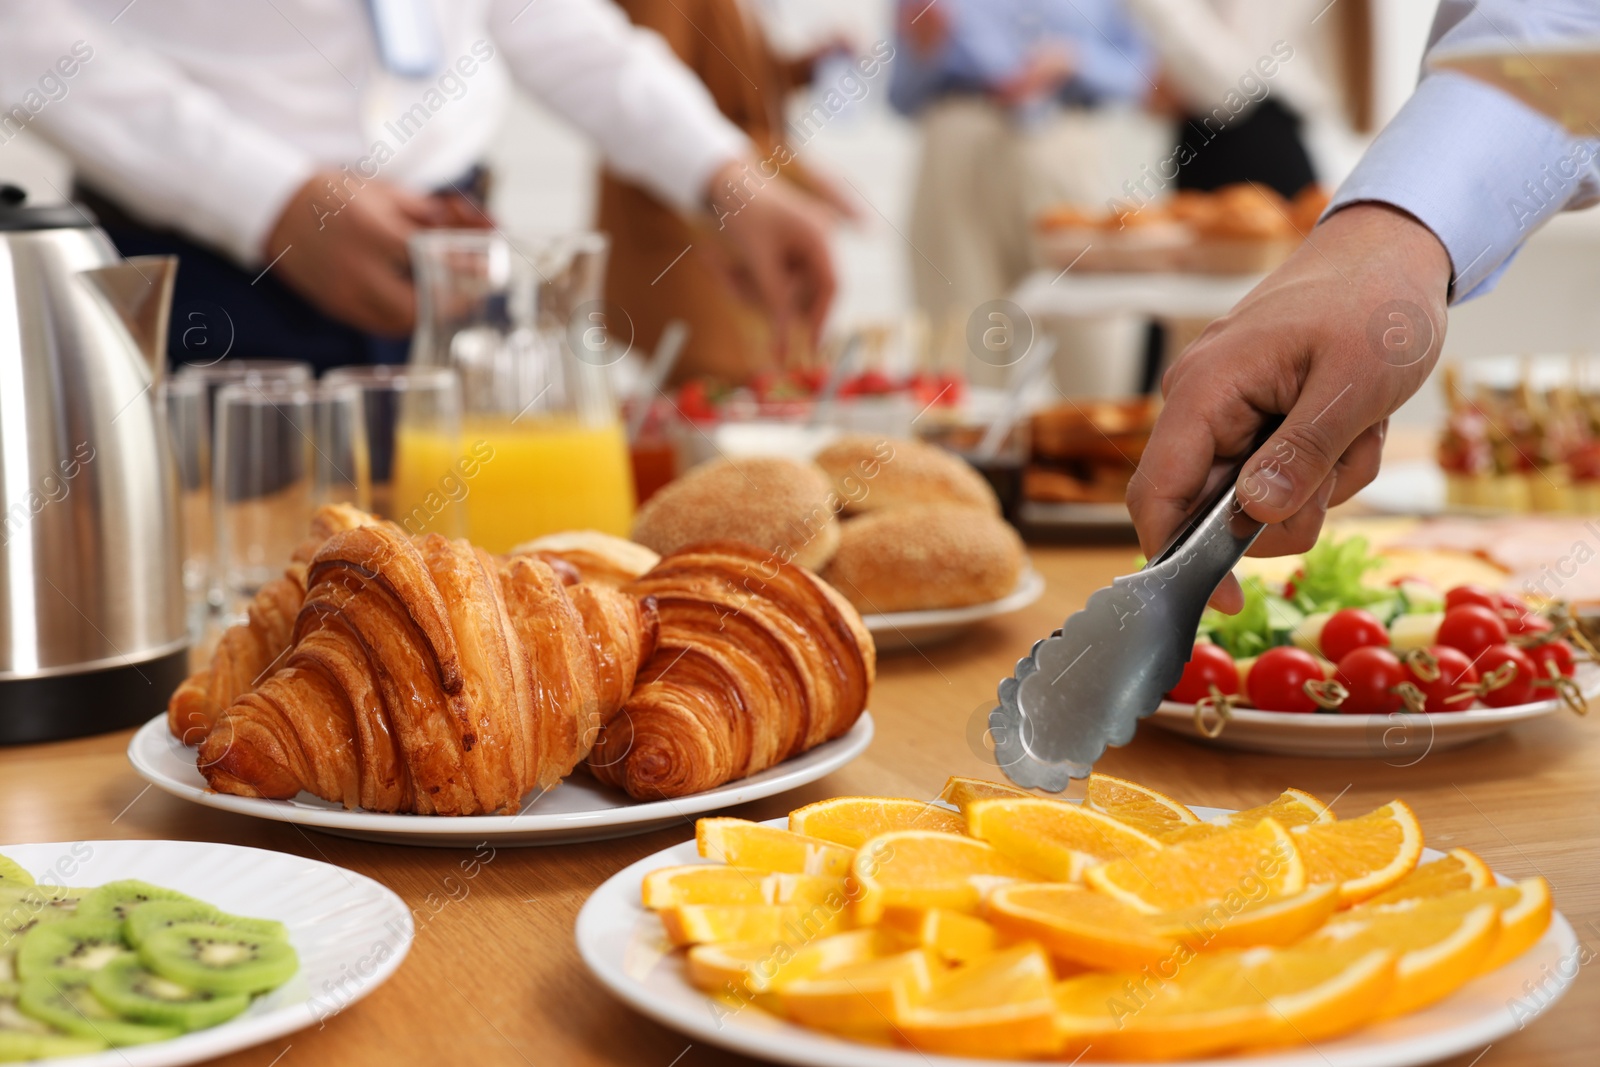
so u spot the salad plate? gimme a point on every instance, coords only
(626, 949)
(1400, 739)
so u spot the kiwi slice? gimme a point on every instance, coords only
(152, 916)
(127, 988)
(12, 874)
(23, 907)
(68, 948)
(23, 1037)
(215, 958)
(117, 900)
(70, 1006)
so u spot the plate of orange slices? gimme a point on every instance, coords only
(994, 925)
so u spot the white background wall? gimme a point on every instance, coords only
(545, 180)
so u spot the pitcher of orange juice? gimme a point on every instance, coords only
(521, 324)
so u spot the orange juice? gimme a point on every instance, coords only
(513, 481)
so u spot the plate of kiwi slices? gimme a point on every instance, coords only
(157, 953)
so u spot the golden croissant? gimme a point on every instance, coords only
(756, 661)
(248, 651)
(427, 676)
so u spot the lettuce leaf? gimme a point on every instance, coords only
(1249, 633)
(1331, 577)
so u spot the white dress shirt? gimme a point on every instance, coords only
(1208, 46)
(206, 115)
(1477, 167)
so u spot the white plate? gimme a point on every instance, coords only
(579, 809)
(1400, 739)
(627, 950)
(349, 931)
(908, 629)
(1053, 516)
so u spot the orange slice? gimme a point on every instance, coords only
(1451, 873)
(1059, 841)
(953, 936)
(1441, 946)
(858, 997)
(963, 791)
(1293, 807)
(927, 869)
(693, 924)
(1084, 927)
(1139, 806)
(754, 967)
(1223, 1000)
(1242, 922)
(1363, 856)
(1525, 910)
(741, 843)
(996, 1006)
(849, 821)
(1247, 863)
(704, 883)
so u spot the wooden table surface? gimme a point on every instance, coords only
(494, 977)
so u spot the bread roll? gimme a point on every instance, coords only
(928, 556)
(780, 506)
(873, 473)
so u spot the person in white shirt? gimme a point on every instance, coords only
(298, 143)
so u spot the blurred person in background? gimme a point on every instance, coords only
(286, 151)
(1022, 104)
(1243, 82)
(665, 265)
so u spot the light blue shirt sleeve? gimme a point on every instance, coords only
(1477, 167)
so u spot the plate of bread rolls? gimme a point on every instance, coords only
(906, 532)
(578, 687)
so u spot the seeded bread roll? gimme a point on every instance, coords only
(926, 556)
(873, 473)
(778, 505)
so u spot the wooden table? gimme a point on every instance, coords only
(494, 978)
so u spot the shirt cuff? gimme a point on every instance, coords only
(1477, 167)
(682, 170)
(237, 210)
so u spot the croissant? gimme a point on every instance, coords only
(756, 661)
(425, 676)
(247, 651)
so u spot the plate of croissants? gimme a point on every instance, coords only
(909, 533)
(422, 690)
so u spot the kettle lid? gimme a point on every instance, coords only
(17, 214)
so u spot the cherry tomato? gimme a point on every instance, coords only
(1277, 681)
(1372, 675)
(1520, 689)
(1524, 623)
(1557, 652)
(1349, 630)
(1210, 665)
(1472, 594)
(1472, 628)
(1290, 587)
(1455, 672)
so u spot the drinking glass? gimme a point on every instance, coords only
(282, 449)
(401, 406)
(523, 327)
(183, 400)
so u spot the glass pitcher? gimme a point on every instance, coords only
(542, 447)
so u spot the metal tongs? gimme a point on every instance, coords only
(1087, 685)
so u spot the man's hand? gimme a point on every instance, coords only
(1048, 67)
(343, 247)
(1336, 339)
(780, 236)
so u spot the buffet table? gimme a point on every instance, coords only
(494, 977)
